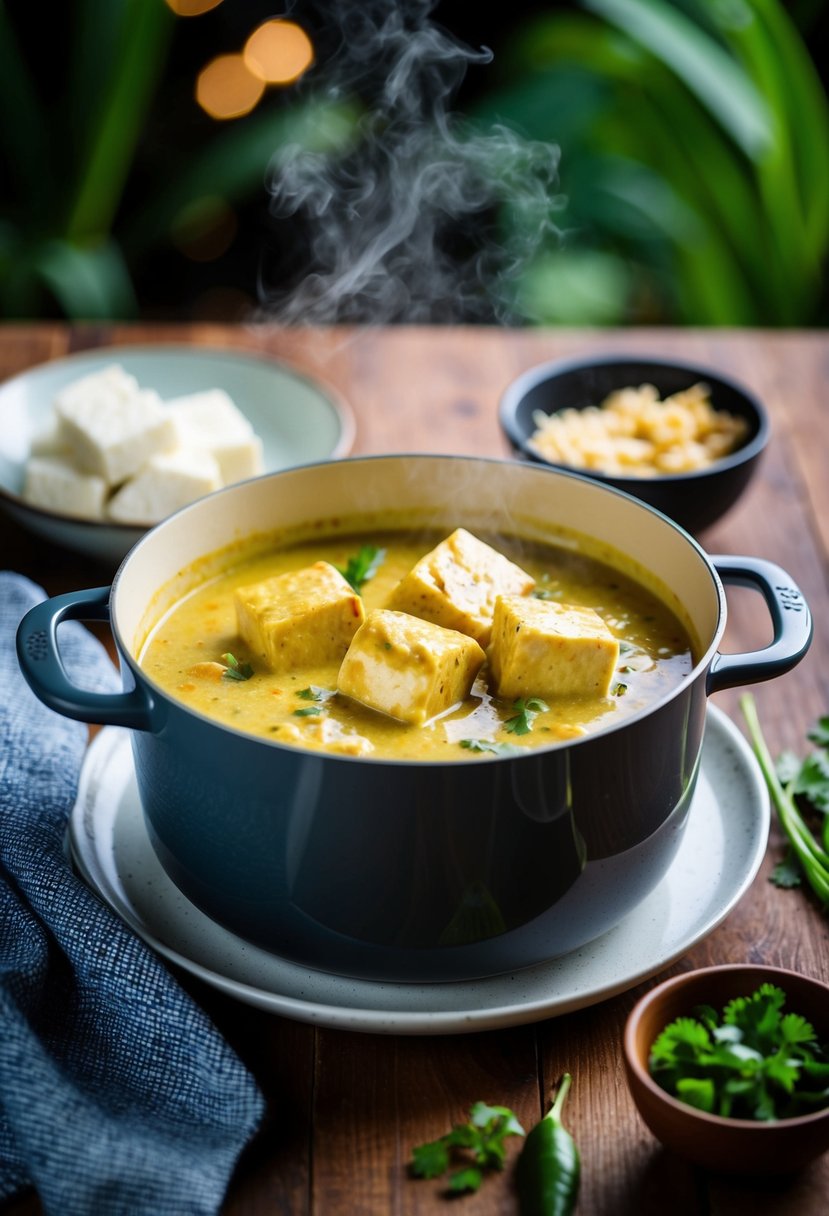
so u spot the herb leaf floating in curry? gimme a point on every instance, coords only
(236, 670)
(489, 745)
(755, 1062)
(807, 852)
(549, 1168)
(314, 693)
(362, 566)
(477, 1146)
(526, 711)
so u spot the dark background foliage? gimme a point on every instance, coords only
(122, 197)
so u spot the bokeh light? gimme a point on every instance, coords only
(278, 52)
(227, 89)
(192, 8)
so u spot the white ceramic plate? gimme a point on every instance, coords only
(721, 851)
(298, 420)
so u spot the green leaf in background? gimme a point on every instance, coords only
(118, 116)
(93, 283)
(794, 171)
(714, 77)
(693, 176)
(697, 163)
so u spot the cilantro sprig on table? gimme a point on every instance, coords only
(810, 777)
(791, 782)
(362, 566)
(754, 1062)
(476, 1147)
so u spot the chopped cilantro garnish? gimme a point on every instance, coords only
(526, 711)
(314, 693)
(236, 670)
(362, 566)
(489, 745)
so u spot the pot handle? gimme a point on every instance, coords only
(790, 617)
(42, 665)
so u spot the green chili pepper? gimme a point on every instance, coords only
(547, 1172)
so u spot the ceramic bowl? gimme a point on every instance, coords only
(394, 869)
(297, 419)
(695, 500)
(734, 1146)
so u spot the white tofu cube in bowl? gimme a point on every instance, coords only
(54, 484)
(97, 412)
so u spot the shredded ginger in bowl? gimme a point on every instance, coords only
(635, 434)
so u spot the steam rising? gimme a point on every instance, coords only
(406, 224)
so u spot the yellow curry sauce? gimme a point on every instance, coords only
(185, 655)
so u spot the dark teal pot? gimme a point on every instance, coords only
(403, 870)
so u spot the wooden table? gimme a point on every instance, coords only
(346, 1108)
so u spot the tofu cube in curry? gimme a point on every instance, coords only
(299, 619)
(541, 648)
(457, 583)
(408, 668)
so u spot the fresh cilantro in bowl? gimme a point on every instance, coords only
(753, 1062)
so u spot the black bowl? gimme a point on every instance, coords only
(693, 499)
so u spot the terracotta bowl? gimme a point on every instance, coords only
(734, 1146)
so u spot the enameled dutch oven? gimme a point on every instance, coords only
(403, 870)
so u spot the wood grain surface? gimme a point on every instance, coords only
(345, 1109)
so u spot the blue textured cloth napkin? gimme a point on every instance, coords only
(117, 1094)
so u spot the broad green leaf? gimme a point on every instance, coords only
(90, 283)
(715, 77)
(772, 49)
(104, 165)
(646, 112)
(777, 172)
(96, 34)
(699, 196)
